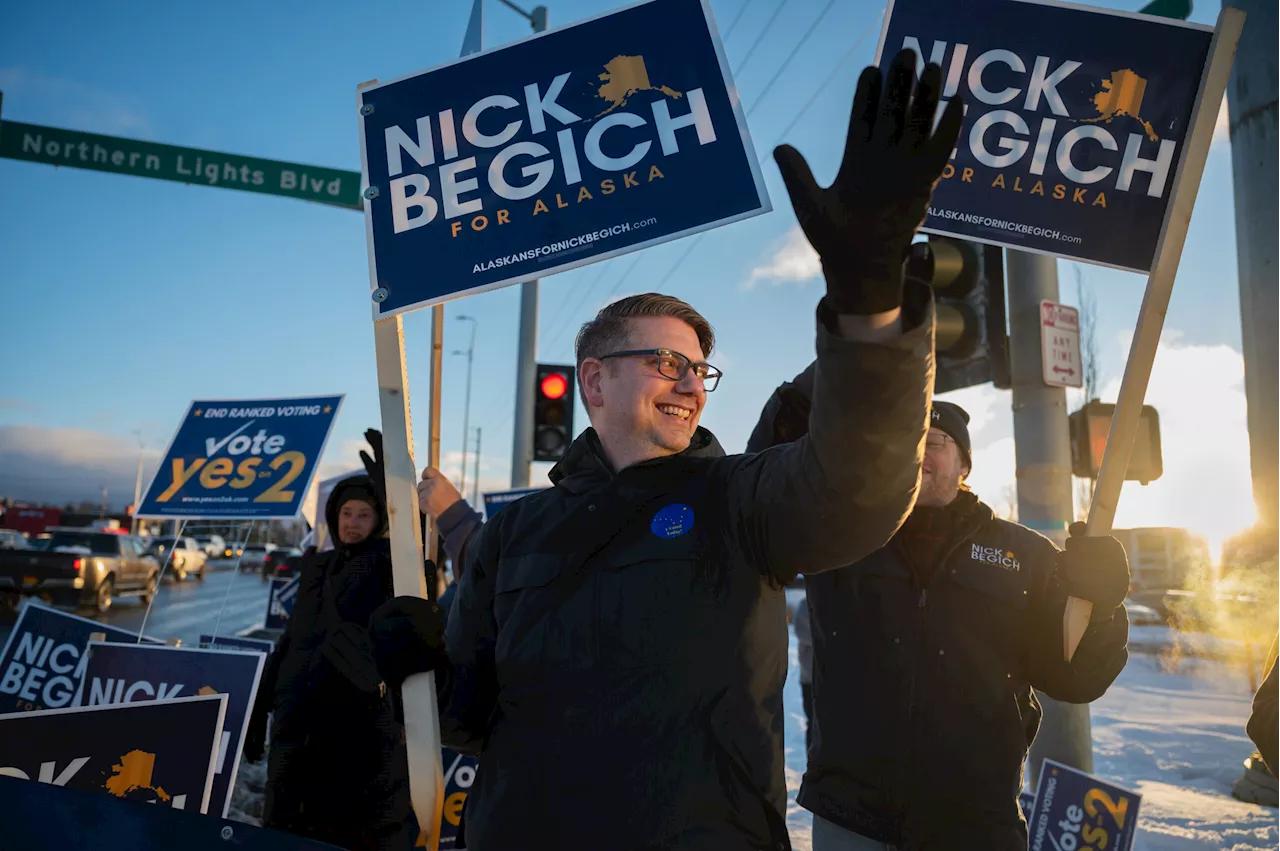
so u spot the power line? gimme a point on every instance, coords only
(734, 24)
(795, 51)
(760, 38)
(826, 82)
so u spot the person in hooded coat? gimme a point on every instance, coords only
(337, 769)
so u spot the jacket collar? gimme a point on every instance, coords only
(585, 466)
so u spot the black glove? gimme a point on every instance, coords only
(862, 224)
(408, 638)
(255, 738)
(348, 649)
(1094, 569)
(376, 467)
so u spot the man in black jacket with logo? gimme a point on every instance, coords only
(927, 651)
(617, 647)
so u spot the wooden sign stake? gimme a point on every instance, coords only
(1155, 303)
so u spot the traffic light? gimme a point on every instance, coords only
(552, 412)
(972, 343)
(1089, 429)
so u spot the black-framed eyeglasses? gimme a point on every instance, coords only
(674, 366)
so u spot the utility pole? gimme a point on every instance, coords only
(527, 345)
(1042, 446)
(466, 413)
(475, 495)
(1251, 102)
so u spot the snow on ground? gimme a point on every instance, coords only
(1175, 735)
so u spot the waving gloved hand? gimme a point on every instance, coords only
(861, 225)
(408, 638)
(376, 466)
(1094, 569)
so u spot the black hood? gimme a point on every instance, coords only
(586, 456)
(355, 487)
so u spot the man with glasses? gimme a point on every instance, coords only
(617, 646)
(927, 651)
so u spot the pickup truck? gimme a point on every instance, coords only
(81, 567)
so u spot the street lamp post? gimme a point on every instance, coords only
(466, 415)
(527, 342)
(137, 486)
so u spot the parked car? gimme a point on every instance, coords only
(213, 545)
(253, 555)
(188, 556)
(232, 552)
(81, 567)
(277, 562)
(12, 540)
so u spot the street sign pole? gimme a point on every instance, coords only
(1155, 303)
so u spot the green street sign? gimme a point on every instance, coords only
(55, 146)
(1180, 9)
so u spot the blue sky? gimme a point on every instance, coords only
(126, 297)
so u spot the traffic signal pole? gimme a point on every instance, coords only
(1042, 446)
(1251, 98)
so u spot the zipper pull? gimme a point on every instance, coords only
(924, 594)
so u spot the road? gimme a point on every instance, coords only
(184, 610)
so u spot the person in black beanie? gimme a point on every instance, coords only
(927, 653)
(337, 770)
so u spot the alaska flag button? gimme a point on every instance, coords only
(672, 521)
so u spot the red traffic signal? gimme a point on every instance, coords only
(554, 385)
(552, 412)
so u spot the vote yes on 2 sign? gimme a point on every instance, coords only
(242, 459)
(1075, 811)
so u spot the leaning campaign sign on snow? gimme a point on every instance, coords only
(607, 136)
(132, 673)
(459, 774)
(1075, 122)
(43, 661)
(495, 502)
(1075, 810)
(161, 752)
(242, 460)
(280, 600)
(118, 823)
(235, 642)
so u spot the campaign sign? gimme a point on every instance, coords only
(284, 591)
(42, 663)
(576, 145)
(495, 502)
(459, 775)
(160, 752)
(235, 642)
(242, 460)
(1077, 811)
(130, 673)
(25, 808)
(1075, 122)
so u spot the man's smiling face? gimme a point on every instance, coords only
(638, 413)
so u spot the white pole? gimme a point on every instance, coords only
(418, 693)
(1155, 303)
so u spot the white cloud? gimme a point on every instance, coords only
(60, 465)
(1198, 392)
(795, 262)
(74, 104)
